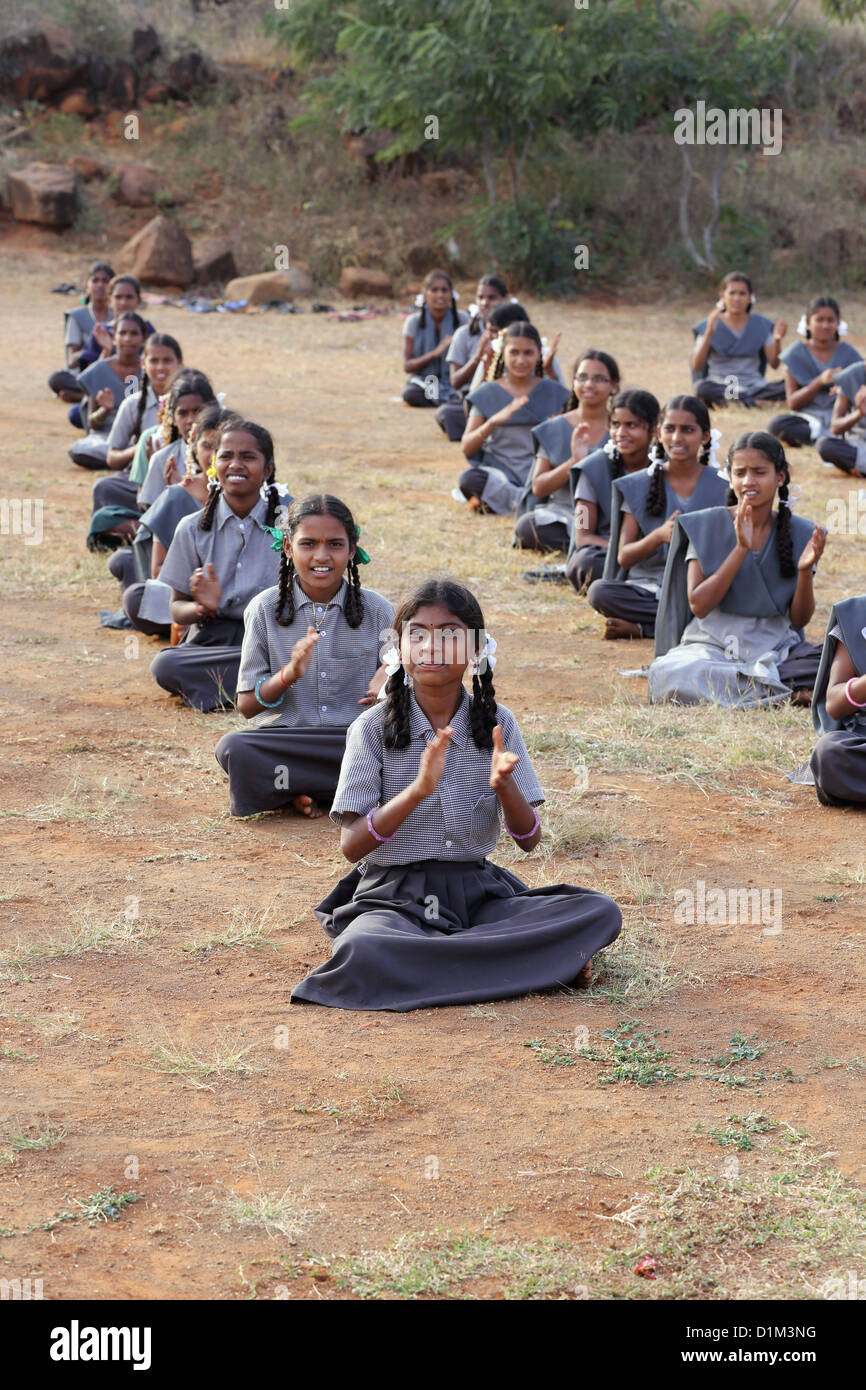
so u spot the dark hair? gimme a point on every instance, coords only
(591, 355)
(154, 340)
(521, 329)
(266, 446)
(428, 281)
(505, 314)
(186, 382)
(319, 504)
(732, 277)
(822, 301)
(695, 406)
(768, 445)
(125, 280)
(482, 705)
(99, 265)
(641, 403)
(498, 284)
(210, 417)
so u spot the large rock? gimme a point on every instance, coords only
(357, 282)
(44, 193)
(213, 260)
(188, 73)
(36, 66)
(137, 185)
(78, 103)
(122, 89)
(261, 289)
(159, 254)
(145, 45)
(88, 168)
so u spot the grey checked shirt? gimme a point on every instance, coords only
(343, 662)
(238, 548)
(461, 818)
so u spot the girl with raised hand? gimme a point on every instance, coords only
(812, 369)
(644, 508)
(738, 592)
(845, 445)
(124, 297)
(838, 760)
(162, 359)
(309, 663)
(217, 562)
(633, 424)
(733, 346)
(498, 441)
(190, 392)
(428, 779)
(466, 351)
(427, 336)
(545, 512)
(106, 385)
(78, 324)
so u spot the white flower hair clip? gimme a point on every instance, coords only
(392, 663)
(474, 310)
(715, 439)
(221, 397)
(484, 656)
(609, 448)
(498, 343)
(793, 497)
(803, 327)
(657, 464)
(419, 300)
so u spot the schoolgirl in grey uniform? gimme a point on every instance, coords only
(427, 781)
(633, 423)
(146, 598)
(466, 351)
(733, 346)
(78, 324)
(845, 445)
(218, 561)
(738, 592)
(812, 369)
(838, 760)
(105, 385)
(498, 442)
(124, 296)
(162, 359)
(310, 661)
(427, 335)
(678, 480)
(545, 512)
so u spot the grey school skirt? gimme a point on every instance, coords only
(413, 936)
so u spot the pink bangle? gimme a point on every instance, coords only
(529, 834)
(858, 704)
(372, 829)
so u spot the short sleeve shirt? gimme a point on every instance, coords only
(461, 819)
(343, 662)
(237, 547)
(123, 430)
(463, 346)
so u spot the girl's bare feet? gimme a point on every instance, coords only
(306, 806)
(583, 979)
(802, 697)
(618, 627)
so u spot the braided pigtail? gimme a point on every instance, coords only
(144, 388)
(656, 497)
(617, 467)
(285, 609)
(455, 317)
(498, 364)
(354, 608)
(706, 452)
(784, 540)
(273, 504)
(539, 366)
(206, 519)
(398, 705)
(482, 709)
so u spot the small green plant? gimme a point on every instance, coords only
(105, 1205)
(279, 1214)
(636, 1057)
(551, 1054)
(741, 1128)
(25, 1141)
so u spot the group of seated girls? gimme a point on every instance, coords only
(261, 601)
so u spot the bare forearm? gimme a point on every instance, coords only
(841, 424)
(356, 840)
(805, 394)
(803, 602)
(119, 458)
(632, 552)
(519, 815)
(709, 593)
(548, 480)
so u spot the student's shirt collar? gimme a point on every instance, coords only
(303, 600)
(224, 512)
(419, 724)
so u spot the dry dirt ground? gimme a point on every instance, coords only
(309, 1153)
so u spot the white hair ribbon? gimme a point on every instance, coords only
(392, 663)
(484, 656)
(419, 300)
(715, 438)
(609, 448)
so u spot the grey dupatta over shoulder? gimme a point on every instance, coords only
(728, 346)
(759, 589)
(553, 438)
(804, 367)
(509, 449)
(424, 339)
(849, 617)
(711, 490)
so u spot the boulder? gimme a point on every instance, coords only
(213, 259)
(87, 167)
(155, 93)
(122, 89)
(44, 193)
(357, 281)
(273, 285)
(79, 103)
(145, 45)
(35, 66)
(301, 280)
(188, 73)
(159, 254)
(137, 185)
